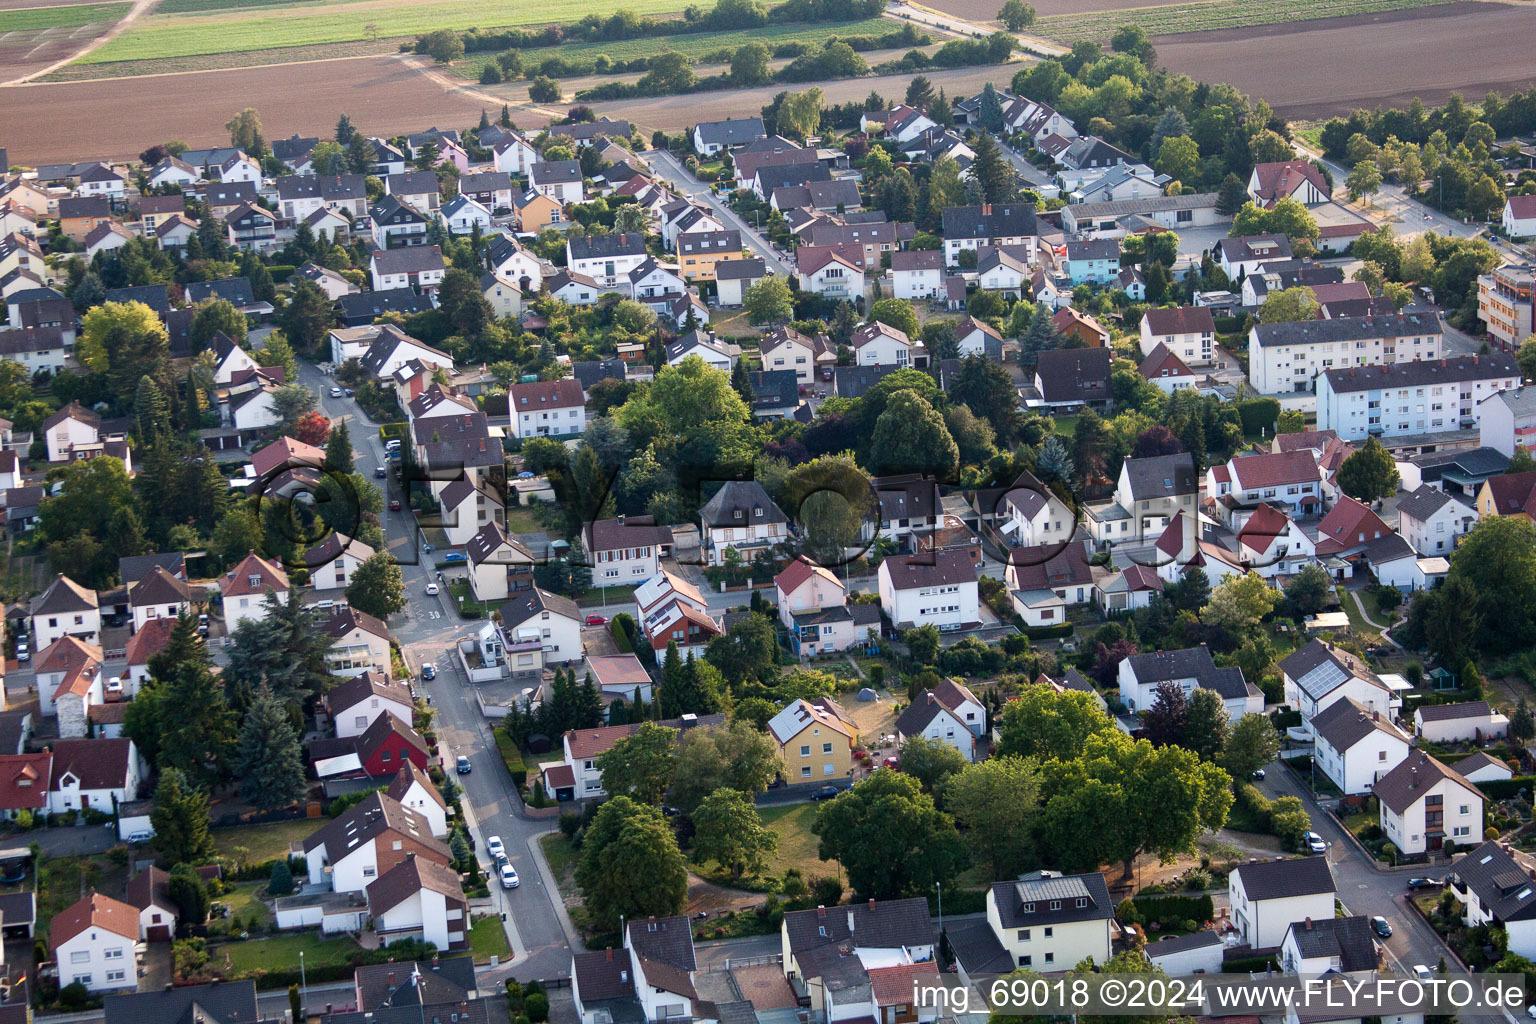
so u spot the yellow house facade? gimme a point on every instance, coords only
(815, 740)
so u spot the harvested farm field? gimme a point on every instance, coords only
(1320, 68)
(32, 38)
(382, 95)
(986, 10)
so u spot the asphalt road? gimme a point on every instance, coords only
(427, 630)
(672, 171)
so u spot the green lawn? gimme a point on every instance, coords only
(693, 46)
(63, 880)
(30, 20)
(181, 35)
(1066, 425)
(797, 846)
(562, 857)
(265, 842)
(613, 595)
(281, 953)
(521, 519)
(487, 938)
(1357, 623)
(243, 903)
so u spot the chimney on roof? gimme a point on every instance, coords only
(821, 911)
(609, 951)
(871, 904)
(1375, 716)
(1308, 924)
(391, 979)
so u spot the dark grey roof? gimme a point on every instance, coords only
(746, 497)
(1452, 712)
(1350, 939)
(989, 221)
(152, 295)
(1503, 884)
(1280, 879)
(520, 609)
(732, 132)
(1425, 502)
(854, 381)
(1074, 374)
(84, 206)
(1471, 461)
(877, 924)
(669, 939)
(1358, 328)
(1302, 666)
(773, 389)
(409, 259)
(136, 567)
(365, 307)
(740, 270)
(446, 980)
(223, 1002)
(1346, 722)
(412, 183)
(1242, 248)
(942, 568)
(1044, 898)
(728, 240)
(589, 373)
(64, 596)
(1420, 372)
(778, 176)
(1162, 476)
(976, 947)
(236, 289)
(587, 247)
(290, 149)
(604, 975)
(1094, 249)
(555, 171)
(1182, 943)
(331, 187)
(1388, 549)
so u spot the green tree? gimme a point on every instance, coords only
(995, 802)
(338, 450)
(931, 762)
(1309, 591)
(245, 130)
(1496, 564)
(895, 313)
(769, 301)
(1289, 305)
(1207, 725)
(800, 114)
(268, 760)
(669, 72)
(630, 866)
(1253, 744)
(1231, 196)
(1041, 723)
(328, 158)
(1240, 602)
(1179, 158)
(749, 65)
(1268, 147)
(308, 316)
(180, 820)
(187, 890)
(1016, 15)
(641, 765)
(377, 587)
(96, 504)
(1369, 473)
(196, 726)
(728, 831)
(828, 497)
(923, 643)
(216, 316)
(443, 45)
(1363, 181)
(910, 436)
(281, 882)
(990, 171)
(742, 758)
(747, 652)
(855, 830)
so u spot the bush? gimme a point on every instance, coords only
(1173, 911)
(281, 883)
(544, 89)
(827, 890)
(536, 1006)
(1258, 414)
(570, 824)
(1490, 833)
(490, 75)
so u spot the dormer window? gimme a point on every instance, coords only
(737, 514)
(254, 580)
(1029, 908)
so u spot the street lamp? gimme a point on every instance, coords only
(303, 990)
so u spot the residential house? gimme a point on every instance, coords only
(917, 274)
(1093, 261)
(1483, 767)
(396, 225)
(971, 227)
(493, 559)
(65, 608)
(1289, 480)
(1267, 896)
(347, 853)
(1048, 922)
(1070, 379)
(828, 270)
(1271, 544)
(1140, 675)
(420, 899)
(1519, 218)
(815, 740)
(1031, 513)
(940, 590)
(376, 753)
(245, 588)
(741, 517)
(548, 408)
(149, 892)
(511, 260)
(625, 550)
(785, 348)
(1427, 396)
(1167, 371)
(699, 252)
(95, 943)
(462, 215)
(328, 281)
(1319, 673)
(1356, 746)
(97, 773)
(69, 683)
(1289, 357)
(672, 610)
(513, 154)
(1045, 579)
(657, 285)
(1425, 805)
(1433, 521)
(1468, 721)
(1245, 254)
(560, 180)
(363, 308)
(534, 211)
(1074, 324)
(414, 790)
(540, 629)
(160, 595)
(356, 703)
(583, 748)
(605, 258)
(491, 189)
(929, 716)
(419, 266)
(1493, 882)
(360, 642)
(1268, 183)
(1180, 955)
(813, 607)
(827, 952)
(1000, 270)
(393, 349)
(1341, 945)
(734, 276)
(879, 344)
(420, 190)
(975, 338)
(78, 217)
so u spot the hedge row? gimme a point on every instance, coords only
(1249, 964)
(1258, 414)
(1498, 789)
(1173, 909)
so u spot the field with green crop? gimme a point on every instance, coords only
(162, 36)
(1210, 15)
(32, 19)
(690, 45)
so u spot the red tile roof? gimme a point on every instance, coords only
(24, 780)
(1282, 178)
(548, 394)
(1180, 320)
(1349, 523)
(1511, 493)
(268, 576)
(286, 452)
(1161, 362)
(1275, 469)
(94, 911)
(98, 764)
(1522, 207)
(797, 572)
(1263, 527)
(149, 640)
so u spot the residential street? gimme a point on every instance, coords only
(669, 168)
(427, 630)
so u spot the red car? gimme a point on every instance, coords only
(394, 504)
(892, 764)
(597, 620)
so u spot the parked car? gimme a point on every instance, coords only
(335, 392)
(1314, 842)
(825, 793)
(597, 620)
(453, 556)
(394, 504)
(509, 879)
(428, 672)
(494, 847)
(1381, 926)
(1258, 773)
(202, 624)
(1422, 973)
(115, 685)
(392, 444)
(23, 652)
(463, 767)
(138, 838)
(431, 589)
(378, 473)
(1426, 883)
